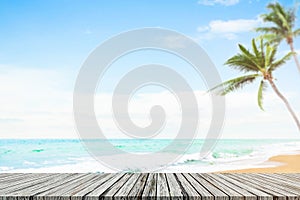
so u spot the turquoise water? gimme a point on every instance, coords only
(54, 154)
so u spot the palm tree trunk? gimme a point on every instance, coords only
(295, 55)
(285, 102)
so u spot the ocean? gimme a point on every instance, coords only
(70, 155)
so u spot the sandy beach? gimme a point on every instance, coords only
(285, 164)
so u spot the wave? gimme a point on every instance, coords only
(228, 154)
(230, 159)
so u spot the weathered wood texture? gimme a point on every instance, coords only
(149, 186)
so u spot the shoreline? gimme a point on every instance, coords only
(288, 163)
(283, 164)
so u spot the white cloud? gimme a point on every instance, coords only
(34, 104)
(139, 111)
(243, 119)
(221, 2)
(233, 26)
(228, 29)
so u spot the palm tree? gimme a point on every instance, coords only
(284, 22)
(259, 63)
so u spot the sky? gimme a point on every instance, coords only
(43, 45)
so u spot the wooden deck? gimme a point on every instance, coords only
(149, 186)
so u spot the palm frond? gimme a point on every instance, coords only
(272, 38)
(268, 50)
(254, 47)
(245, 51)
(234, 84)
(291, 17)
(283, 21)
(272, 16)
(271, 6)
(296, 32)
(250, 57)
(261, 89)
(242, 63)
(274, 30)
(280, 62)
(285, 16)
(270, 54)
(262, 52)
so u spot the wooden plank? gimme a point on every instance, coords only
(138, 188)
(126, 188)
(216, 192)
(33, 180)
(162, 186)
(292, 186)
(14, 180)
(23, 191)
(290, 177)
(50, 182)
(266, 188)
(246, 194)
(54, 192)
(113, 190)
(27, 193)
(96, 193)
(94, 184)
(290, 193)
(294, 174)
(150, 187)
(280, 177)
(204, 193)
(174, 187)
(68, 192)
(6, 175)
(234, 195)
(187, 188)
(10, 176)
(75, 187)
(24, 179)
(260, 194)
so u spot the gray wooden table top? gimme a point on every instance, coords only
(149, 186)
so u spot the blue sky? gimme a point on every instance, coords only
(44, 43)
